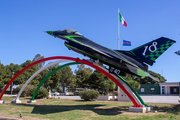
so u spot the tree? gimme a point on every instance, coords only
(67, 78)
(82, 76)
(29, 72)
(3, 74)
(38, 57)
(136, 85)
(1, 83)
(80, 67)
(107, 84)
(54, 79)
(43, 74)
(13, 69)
(96, 78)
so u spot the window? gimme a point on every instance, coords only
(152, 89)
(71, 31)
(142, 89)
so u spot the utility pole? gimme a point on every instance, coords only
(12, 84)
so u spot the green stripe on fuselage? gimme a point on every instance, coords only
(71, 37)
(142, 73)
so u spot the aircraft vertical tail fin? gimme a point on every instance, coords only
(149, 52)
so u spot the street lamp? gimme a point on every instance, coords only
(12, 83)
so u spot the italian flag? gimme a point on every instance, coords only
(122, 20)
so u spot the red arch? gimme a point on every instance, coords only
(76, 60)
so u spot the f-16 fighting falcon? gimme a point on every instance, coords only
(134, 62)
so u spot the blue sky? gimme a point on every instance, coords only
(22, 24)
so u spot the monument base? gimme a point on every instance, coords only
(15, 101)
(31, 101)
(1, 101)
(141, 110)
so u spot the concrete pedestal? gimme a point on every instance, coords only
(137, 109)
(141, 110)
(31, 101)
(149, 109)
(1, 101)
(15, 101)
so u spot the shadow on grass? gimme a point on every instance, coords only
(97, 108)
(175, 109)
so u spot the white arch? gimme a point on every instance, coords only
(16, 100)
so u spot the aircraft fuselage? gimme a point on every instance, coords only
(132, 61)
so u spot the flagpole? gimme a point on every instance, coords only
(118, 49)
(118, 30)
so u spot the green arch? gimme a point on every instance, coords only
(35, 92)
(73, 63)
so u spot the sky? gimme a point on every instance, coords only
(22, 24)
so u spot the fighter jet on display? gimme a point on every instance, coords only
(120, 62)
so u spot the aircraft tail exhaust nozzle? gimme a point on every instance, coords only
(141, 73)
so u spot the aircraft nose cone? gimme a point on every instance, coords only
(50, 32)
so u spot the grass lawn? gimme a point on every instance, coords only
(65, 109)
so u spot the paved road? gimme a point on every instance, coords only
(146, 98)
(161, 99)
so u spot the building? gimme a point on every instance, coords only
(168, 88)
(149, 89)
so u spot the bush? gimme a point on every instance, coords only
(42, 92)
(26, 92)
(17, 89)
(30, 89)
(89, 95)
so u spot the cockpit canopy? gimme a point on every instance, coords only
(71, 31)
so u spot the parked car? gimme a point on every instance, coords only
(64, 93)
(55, 93)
